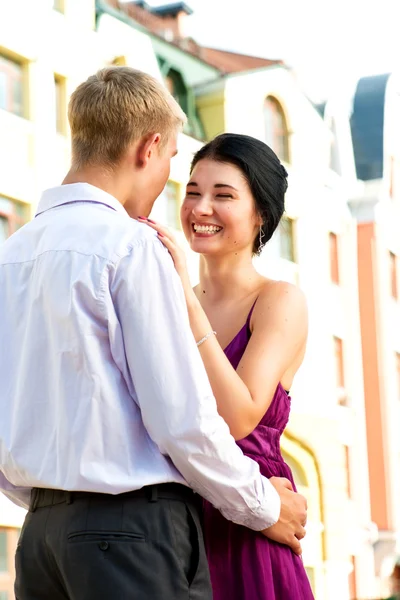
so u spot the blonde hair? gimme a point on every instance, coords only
(115, 107)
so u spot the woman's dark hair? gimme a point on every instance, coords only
(263, 171)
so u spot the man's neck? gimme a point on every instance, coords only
(102, 179)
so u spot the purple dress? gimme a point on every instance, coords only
(245, 565)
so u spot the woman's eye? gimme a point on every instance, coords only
(192, 194)
(224, 196)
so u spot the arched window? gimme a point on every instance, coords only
(176, 86)
(276, 131)
(306, 475)
(297, 469)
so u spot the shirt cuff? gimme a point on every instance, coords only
(260, 518)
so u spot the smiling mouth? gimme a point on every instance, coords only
(205, 230)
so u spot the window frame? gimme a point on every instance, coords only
(397, 367)
(17, 61)
(334, 263)
(193, 126)
(279, 134)
(59, 6)
(179, 89)
(177, 193)
(7, 577)
(347, 451)
(13, 218)
(394, 280)
(60, 104)
(338, 350)
(5, 558)
(290, 222)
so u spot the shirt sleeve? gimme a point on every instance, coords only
(172, 389)
(18, 495)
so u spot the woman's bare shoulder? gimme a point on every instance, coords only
(275, 292)
(280, 300)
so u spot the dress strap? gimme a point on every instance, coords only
(250, 313)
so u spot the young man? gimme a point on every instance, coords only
(107, 416)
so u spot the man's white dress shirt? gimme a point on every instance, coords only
(102, 387)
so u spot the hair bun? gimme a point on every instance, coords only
(283, 170)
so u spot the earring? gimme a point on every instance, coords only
(261, 236)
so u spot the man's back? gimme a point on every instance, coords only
(60, 386)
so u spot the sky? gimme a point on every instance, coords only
(328, 43)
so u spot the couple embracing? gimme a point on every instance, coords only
(141, 418)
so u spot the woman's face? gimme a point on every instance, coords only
(218, 213)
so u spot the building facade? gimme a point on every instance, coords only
(338, 241)
(316, 248)
(375, 122)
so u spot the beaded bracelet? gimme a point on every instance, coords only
(205, 338)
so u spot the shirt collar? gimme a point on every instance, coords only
(77, 192)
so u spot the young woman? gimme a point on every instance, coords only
(251, 332)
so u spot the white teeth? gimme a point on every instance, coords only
(206, 228)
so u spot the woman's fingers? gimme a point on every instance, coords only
(173, 250)
(167, 242)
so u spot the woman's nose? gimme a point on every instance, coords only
(203, 206)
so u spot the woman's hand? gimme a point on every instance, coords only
(177, 253)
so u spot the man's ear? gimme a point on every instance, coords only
(146, 147)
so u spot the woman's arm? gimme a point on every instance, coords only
(278, 338)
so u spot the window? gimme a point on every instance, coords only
(276, 131)
(298, 472)
(393, 275)
(353, 579)
(286, 239)
(334, 154)
(339, 364)
(12, 216)
(174, 79)
(60, 104)
(172, 196)
(11, 85)
(334, 257)
(177, 88)
(58, 5)
(3, 551)
(311, 577)
(348, 469)
(4, 233)
(391, 177)
(394, 184)
(397, 358)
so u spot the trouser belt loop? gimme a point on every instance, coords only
(153, 493)
(69, 498)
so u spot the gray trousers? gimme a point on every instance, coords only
(144, 545)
